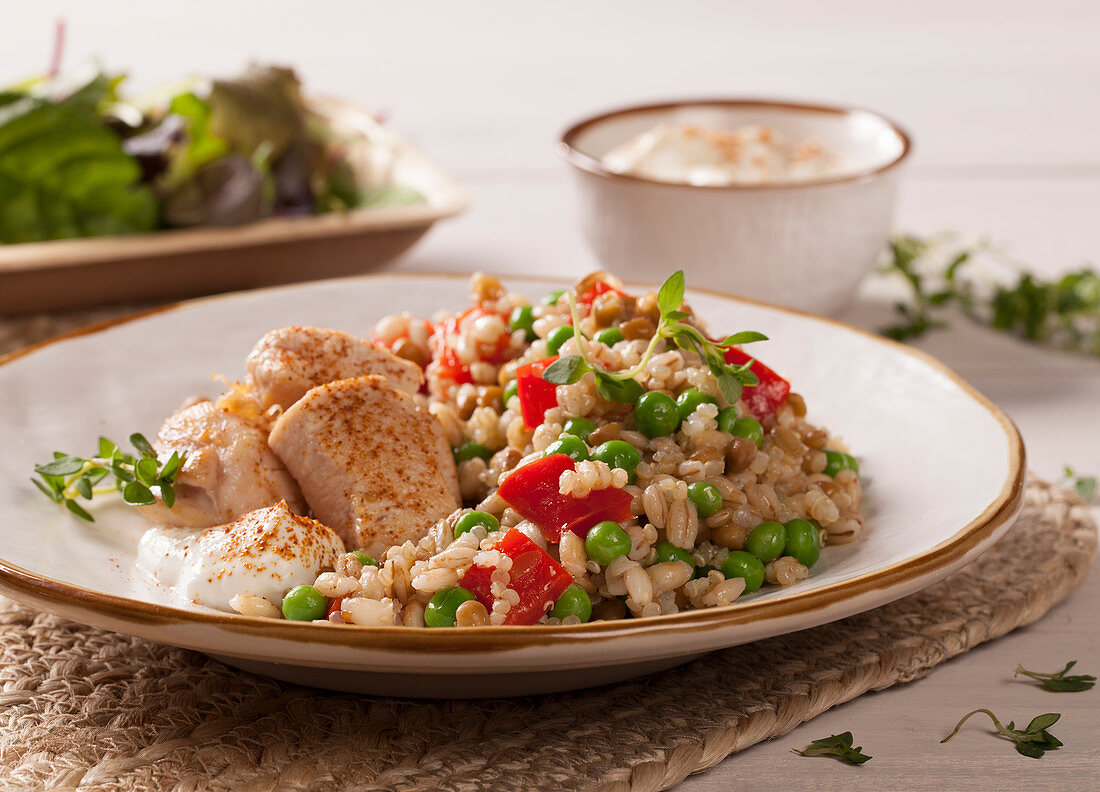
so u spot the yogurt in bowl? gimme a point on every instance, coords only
(681, 153)
(785, 224)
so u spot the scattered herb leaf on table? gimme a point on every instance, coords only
(1031, 741)
(838, 746)
(1062, 681)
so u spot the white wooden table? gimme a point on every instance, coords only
(1001, 99)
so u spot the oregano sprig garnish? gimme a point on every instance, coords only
(838, 746)
(621, 386)
(1062, 681)
(140, 479)
(1033, 740)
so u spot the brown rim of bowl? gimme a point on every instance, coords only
(41, 591)
(589, 164)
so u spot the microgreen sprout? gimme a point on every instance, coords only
(621, 386)
(838, 746)
(140, 478)
(1062, 681)
(1032, 741)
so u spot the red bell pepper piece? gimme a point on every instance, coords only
(596, 289)
(448, 365)
(536, 395)
(535, 576)
(767, 397)
(532, 490)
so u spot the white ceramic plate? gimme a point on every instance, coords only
(943, 470)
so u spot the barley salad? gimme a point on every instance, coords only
(596, 454)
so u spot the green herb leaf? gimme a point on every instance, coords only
(671, 294)
(78, 510)
(62, 466)
(618, 390)
(744, 337)
(137, 494)
(566, 370)
(139, 442)
(838, 746)
(84, 487)
(49, 492)
(171, 468)
(1062, 681)
(168, 495)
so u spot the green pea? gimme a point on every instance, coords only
(727, 417)
(744, 565)
(706, 497)
(510, 390)
(803, 542)
(656, 414)
(471, 450)
(606, 541)
(523, 318)
(749, 428)
(580, 427)
(574, 601)
(767, 540)
(440, 610)
(557, 337)
(690, 400)
(618, 454)
(667, 551)
(702, 572)
(836, 461)
(609, 336)
(365, 559)
(469, 520)
(304, 603)
(570, 445)
(553, 297)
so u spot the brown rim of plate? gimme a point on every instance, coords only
(590, 164)
(26, 586)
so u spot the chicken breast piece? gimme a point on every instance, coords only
(229, 471)
(372, 465)
(288, 362)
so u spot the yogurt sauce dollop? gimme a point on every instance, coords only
(265, 553)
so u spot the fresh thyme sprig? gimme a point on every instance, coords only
(838, 746)
(1063, 312)
(1033, 740)
(1059, 682)
(621, 386)
(140, 479)
(1085, 486)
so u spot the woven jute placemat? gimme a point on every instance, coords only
(88, 709)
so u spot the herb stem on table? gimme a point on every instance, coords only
(1061, 681)
(1063, 312)
(1032, 741)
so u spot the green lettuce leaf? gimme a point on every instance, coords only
(64, 175)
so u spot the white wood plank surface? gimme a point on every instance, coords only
(1000, 97)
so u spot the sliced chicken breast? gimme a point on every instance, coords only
(288, 362)
(229, 470)
(372, 465)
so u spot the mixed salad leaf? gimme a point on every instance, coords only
(76, 160)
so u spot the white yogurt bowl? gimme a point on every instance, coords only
(803, 244)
